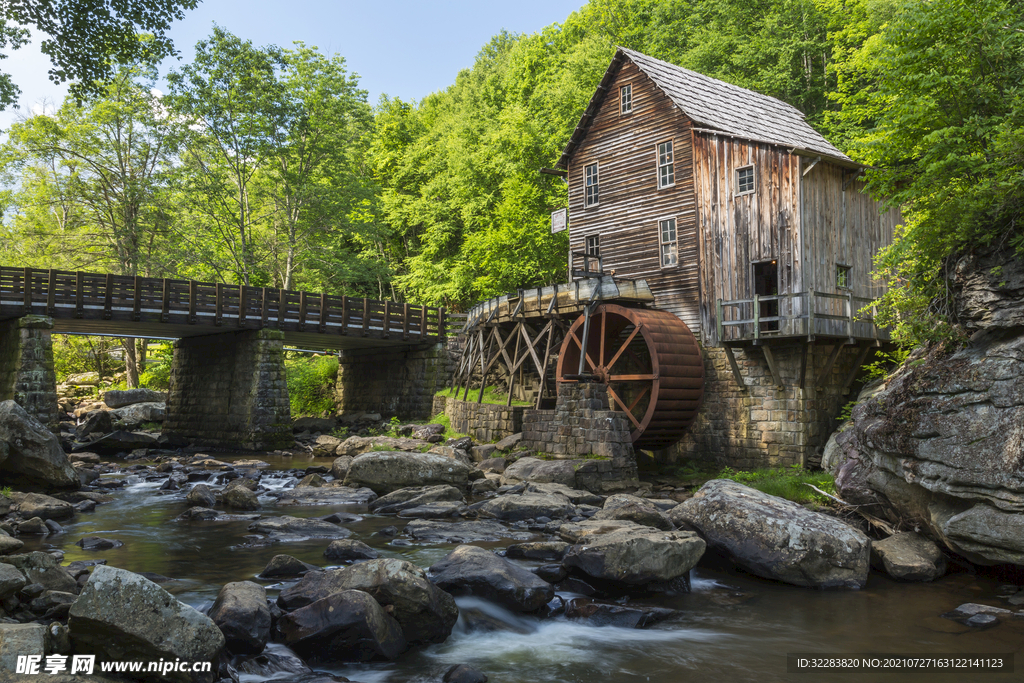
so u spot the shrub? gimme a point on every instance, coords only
(311, 383)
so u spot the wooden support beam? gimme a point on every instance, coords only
(137, 306)
(303, 310)
(26, 286)
(387, 319)
(218, 314)
(852, 375)
(344, 315)
(423, 322)
(264, 308)
(735, 368)
(812, 165)
(79, 294)
(108, 297)
(243, 304)
(282, 306)
(322, 317)
(405, 321)
(51, 292)
(366, 317)
(770, 357)
(193, 290)
(829, 363)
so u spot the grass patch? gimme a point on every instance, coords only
(787, 482)
(492, 395)
(446, 422)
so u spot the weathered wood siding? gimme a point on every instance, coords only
(737, 231)
(841, 227)
(625, 147)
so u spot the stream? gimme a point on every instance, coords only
(732, 626)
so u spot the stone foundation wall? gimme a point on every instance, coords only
(230, 390)
(766, 426)
(583, 425)
(26, 367)
(393, 382)
(482, 421)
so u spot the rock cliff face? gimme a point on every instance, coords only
(942, 445)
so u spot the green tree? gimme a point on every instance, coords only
(86, 39)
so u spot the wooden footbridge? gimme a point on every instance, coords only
(106, 304)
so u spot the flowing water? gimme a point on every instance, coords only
(731, 627)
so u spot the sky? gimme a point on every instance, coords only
(404, 48)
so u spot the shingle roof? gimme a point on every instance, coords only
(715, 104)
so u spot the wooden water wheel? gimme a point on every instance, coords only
(649, 360)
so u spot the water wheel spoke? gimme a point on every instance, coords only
(576, 339)
(637, 400)
(604, 319)
(624, 347)
(622, 405)
(632, 378)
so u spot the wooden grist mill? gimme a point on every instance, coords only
(720, 273)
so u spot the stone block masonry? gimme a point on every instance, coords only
(483, 421)
(766, 426)
(26, 367)
(392, 382)
(583, 425)
(229, 390)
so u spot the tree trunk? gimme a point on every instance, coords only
(141, 349)
(131, 366)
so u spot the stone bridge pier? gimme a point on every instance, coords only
(229, 390)
(26, 366)
(393, 382)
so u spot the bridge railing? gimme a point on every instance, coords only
(95, 296)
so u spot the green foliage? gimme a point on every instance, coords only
(788, 482)
(492, 395)
(446, 422)
(311, 383)
(157, 374)
(938, 99)
(74, 355)
(6, 492)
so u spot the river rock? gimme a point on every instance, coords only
(11, 581)
(387, 471)
(576, 532)
(545, 551)
(96, 422)
(24, 640)
(299, 527)
(138, 413)
(34, 526)
(314, 424)
(43, 569)
(34, 455)
(339, 468)
(121, 441)
(240, 498)
(434, 531)
(118, 398)
(242, 615)
(347, 550)
(327, 495)
(98, 543)
(509, 443)
(122, 616)
(286, 565)
(345, 626)
(514, 508)
(621, 616)
(634, 509)
(404, 499)
(45, 507)
(470, 570)
(10, 545)
(200, 514)
(575, 496)
(776, 538)
(496, 465)
(636, 557)
(541, 471)
(201, 496)
(909, 557)
(358, 445)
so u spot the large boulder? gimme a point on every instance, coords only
(121, 441)
(434, 531)
(34, 455)
(637, 557)
(939, 448)
(243, 616)
(240, 498)
(31, 505)
(540, 471)
(44, 569)
(121, 616)
(633, 509)
(470, 570)
(387, 471)
(355, 446)
(348, 550)
(345, 626)
(119, 398)
(407, 498)
(96, 422)
(21, 640)
(326, 495)
(909, 557)
(201, 496)
(138, 413)
(776, 538)
(514, 508)
(11, 581)
(298, 527)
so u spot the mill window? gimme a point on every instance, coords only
(590, 183)
(745, 180)
(626, 99)
(669, 243)
(666, 165)
(843, 277)
(594, 245)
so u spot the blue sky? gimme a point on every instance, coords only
(399, 47)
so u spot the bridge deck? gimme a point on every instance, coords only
(94, 303)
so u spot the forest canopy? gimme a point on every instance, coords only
(267, 165)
